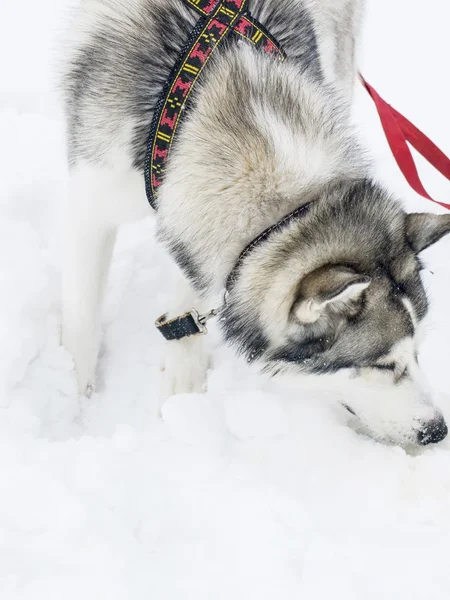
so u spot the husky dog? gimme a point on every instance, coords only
(337, 290)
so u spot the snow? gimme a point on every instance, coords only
(249, 491)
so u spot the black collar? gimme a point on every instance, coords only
(192, 323)
(262, 237)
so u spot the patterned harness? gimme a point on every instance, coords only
(219, 19)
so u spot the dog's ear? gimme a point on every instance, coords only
(334, 288)
(424, 229)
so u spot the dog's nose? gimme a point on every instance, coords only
(433, 432)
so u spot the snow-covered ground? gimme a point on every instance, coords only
(247, 491)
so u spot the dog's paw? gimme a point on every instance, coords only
(84, 352)
(184, 368)
(86, 379)
(90, 389)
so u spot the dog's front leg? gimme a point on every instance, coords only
(185, 362)
(89, 243)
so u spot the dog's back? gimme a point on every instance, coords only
(121, 53)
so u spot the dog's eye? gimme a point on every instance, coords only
(400, 289)
(388, 367)
(398, 372)
(401, 374)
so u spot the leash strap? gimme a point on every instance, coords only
(399, 132)
(218, 20)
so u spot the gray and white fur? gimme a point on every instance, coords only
(337, 292)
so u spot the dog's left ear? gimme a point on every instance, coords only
(335, 289)
(424, 229)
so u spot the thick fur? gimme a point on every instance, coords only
(339, 289)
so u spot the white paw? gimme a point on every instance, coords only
(184, 367)
(85, 372)
(84, 360)
(90, 389)
(86, 381)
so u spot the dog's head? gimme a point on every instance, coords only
(340, 291)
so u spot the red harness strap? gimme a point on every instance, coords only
(399, 131)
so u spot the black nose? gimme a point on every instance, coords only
(433, 432)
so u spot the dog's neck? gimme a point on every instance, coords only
(261, 141)
(344, 228)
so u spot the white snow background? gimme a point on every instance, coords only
(249, 491)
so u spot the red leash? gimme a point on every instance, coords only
(399, 132)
